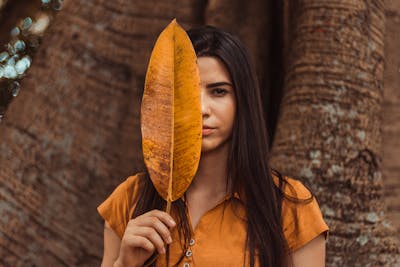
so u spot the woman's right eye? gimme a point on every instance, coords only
(219, 92)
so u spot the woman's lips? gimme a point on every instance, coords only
(207, 131)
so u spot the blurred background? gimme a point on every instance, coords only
(71, 80)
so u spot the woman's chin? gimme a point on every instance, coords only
(213, 146)
(207, 147)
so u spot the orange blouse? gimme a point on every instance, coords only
(220, 235)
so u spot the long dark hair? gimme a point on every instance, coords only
(248, 159)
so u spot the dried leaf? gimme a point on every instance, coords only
(171, 117)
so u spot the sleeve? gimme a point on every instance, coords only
(116, 209)
(302, 220)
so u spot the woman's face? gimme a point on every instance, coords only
(218, 103)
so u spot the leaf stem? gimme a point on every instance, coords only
(168, 209)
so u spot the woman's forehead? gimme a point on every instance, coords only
(212, 70)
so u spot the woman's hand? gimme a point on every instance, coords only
(143, 236)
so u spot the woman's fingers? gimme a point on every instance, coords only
(143, 242)
(150, 231)
(159, 226)
(152, 235)
(163, 216)
(145, 234)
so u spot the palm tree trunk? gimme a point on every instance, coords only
(329, 129)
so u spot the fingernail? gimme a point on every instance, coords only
(169, 240)
(172, 222)
(163, 251)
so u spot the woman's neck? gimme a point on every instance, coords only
(211, 175)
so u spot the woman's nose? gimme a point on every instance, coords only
(205, 109)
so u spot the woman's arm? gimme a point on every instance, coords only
(312, 254)
(112, 243)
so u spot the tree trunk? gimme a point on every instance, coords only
(391, 113)
(329, 129)
(73, 132)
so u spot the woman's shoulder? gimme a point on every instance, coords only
(133, 181)
(302, 220)
(128, 187)
(292, 187)
(117, 209)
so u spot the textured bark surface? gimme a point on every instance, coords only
(72, 134)
(329, 129)
(391, 113)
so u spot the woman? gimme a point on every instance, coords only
(237, 211)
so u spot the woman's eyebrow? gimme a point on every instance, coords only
(210, 85)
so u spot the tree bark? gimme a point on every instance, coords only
(329, 132)
(391, 113)
(73, 132)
